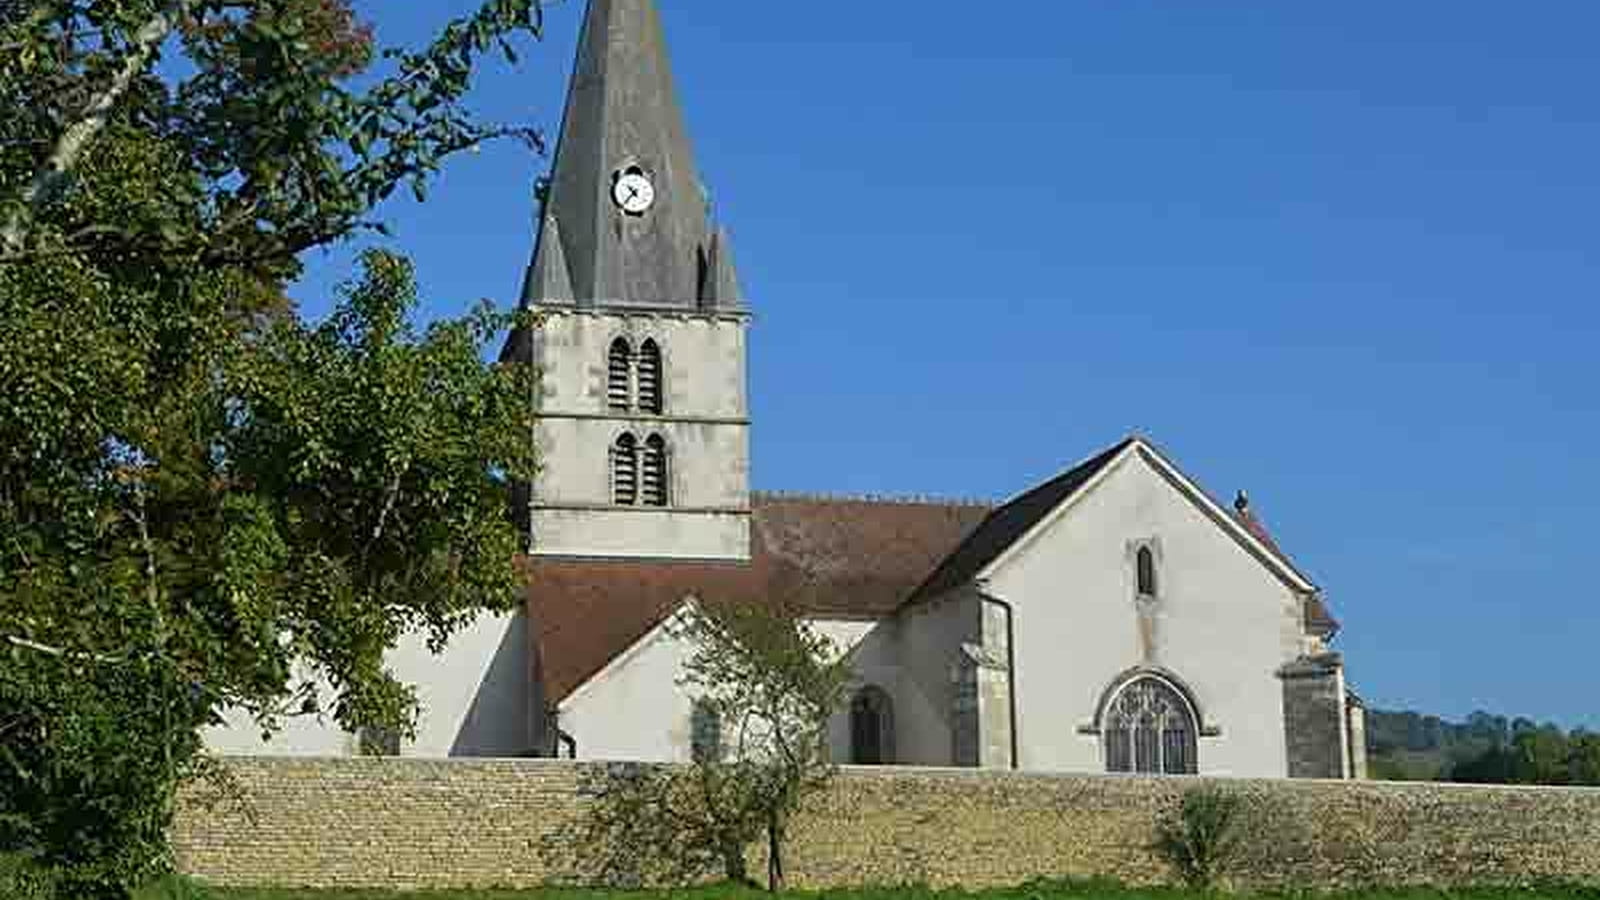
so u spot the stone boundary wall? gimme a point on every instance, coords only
(418, 824)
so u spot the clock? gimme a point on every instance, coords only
(633, 192)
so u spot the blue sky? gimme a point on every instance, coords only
(1341, 255)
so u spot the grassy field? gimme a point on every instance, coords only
(1072, 891)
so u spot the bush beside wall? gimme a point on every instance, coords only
(416, 824)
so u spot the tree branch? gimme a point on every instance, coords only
(58, 652)
(49, 180)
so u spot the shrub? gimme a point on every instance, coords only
(20, 879)
(1204, 835)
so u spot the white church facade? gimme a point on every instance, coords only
(1116, 618)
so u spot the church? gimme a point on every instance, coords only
(1116, 618)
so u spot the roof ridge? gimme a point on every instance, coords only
(885, 499)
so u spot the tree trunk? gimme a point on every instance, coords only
(734, 866)
(82, 132)
(774, 855)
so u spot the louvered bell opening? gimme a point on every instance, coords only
(619, 393)
(650, 387)
(654, 484)
(625, 471)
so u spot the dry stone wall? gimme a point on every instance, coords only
(415, 824)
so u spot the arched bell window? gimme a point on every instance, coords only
(625, 471)
(1150, 728)
(872, 727)
(619, 377)
(1145, 571)
(650, 379)
(653, 472)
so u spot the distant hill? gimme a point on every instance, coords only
(1410, 746)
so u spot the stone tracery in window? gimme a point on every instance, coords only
(1150, 728)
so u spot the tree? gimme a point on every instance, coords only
(1583, 760)
(774, 683)
(1541, 755)
(206, 502)
(257, 543)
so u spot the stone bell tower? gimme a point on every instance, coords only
(644, 427)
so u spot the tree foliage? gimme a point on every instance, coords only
(774, 682)
(206, 502)
(771, 683)
(1485, 749)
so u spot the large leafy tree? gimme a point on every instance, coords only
(205, 501)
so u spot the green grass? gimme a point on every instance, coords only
(1050, 891)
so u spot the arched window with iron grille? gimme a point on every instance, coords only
(654, 474)
(652, 387)
(625, 471)
(872, 727)
(619, 377)
(1150, 728)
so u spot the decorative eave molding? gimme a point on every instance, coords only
(884, 499)
(659, 311)
(1320, 665)
(634, 418)
(658, 510)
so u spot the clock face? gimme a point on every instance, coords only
(634, 193)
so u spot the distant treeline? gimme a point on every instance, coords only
(1485, 749)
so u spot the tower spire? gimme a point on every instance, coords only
(626, 216)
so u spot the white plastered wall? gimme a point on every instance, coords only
(474, 698)
(1224, 623)
(932, 636)
(634, 709)
(307, 736)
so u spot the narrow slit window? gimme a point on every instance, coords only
(654, 483)
(619, 381)
(650, 379)
(625, 471)
(1146, 565)
(705, 732)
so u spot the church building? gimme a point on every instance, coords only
(1116, 618)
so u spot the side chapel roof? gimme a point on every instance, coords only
(826, 557)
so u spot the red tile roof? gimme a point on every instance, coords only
(845, 558)
(1318, 619)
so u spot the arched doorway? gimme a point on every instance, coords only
(872, 727)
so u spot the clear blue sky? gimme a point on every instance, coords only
(1343, 255)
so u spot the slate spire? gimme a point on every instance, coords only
(623, 117)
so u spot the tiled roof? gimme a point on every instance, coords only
(846, 558)
(1006, 525)
(1319, 620)
(821, 556)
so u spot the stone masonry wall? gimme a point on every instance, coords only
(411, 824)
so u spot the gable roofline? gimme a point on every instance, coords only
(1265, 552)
(1014, 522)
(1020, 521)
(628, 653)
